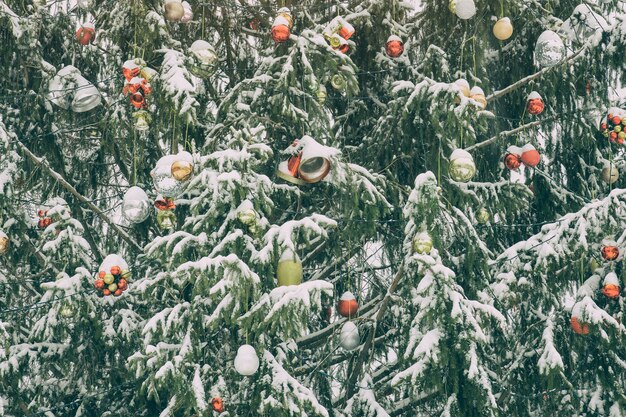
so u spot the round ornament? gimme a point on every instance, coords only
(142, 120)
(187, 14)
(164, 182)
(347, 305)
(286, 13)
(483, 216)
(4, 243)
(579, 327)
(478, 95)
(113, 271)
(280, 29)
(549, 49)
(610, 173)
(530, 156)
(136, 205)
(217, 404)
(503, 29)
(182, 170)
(462, 167)
(513, 158)
(204, 59)
(422, 243)
(534, 103)
(67, 310)
(174, 10)
(465, 9)
(349, 338)
(338, 82)
(394, 46)
(610, 286)
(166, 219)
(609, 251)
(86, 33)
(289, 270)
(246, 361)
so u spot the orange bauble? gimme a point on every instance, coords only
(101, 274)
(535, 106)
(116, 270)
(394, 47)
(611, 290)
(217, 404)
(106, 291)
(118, 292)
(137, 100)
(512, 161)
(85, 34)
(610, 253)
(616, 120)
(122, 284)
(578, 327)
(347, 305)
(530, 156)
(280, 33)
(99, 284)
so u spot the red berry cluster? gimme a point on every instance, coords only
(114, 282)
(44, 220)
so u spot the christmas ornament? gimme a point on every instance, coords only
(452, 6)
(142, 120)
(309, 162)
(217, 404)
(204, 59)
(614, 126)
(67, 310)
(135, 205)
(44, 220)
(289, 270)
(137, 89)
(174, 10)
(513, 158)
(162, 175)
(69, 88)
(182, 170)
(166, 219)
(187, 14)
(247, 217)
(84, 4)
(286, 13)
(338, 26)
(339, 44)
(394, 46)
(503, 29)
(465, 9)
(530, 156)
(478, 95)
(246, 361)
(549, 49)
(147, 73)
(280, 29)
(610, 286)
(113, 276)
(131, 69)
(422, 243)
(349, 337)
(578, 327)
(609, 250)
(610, 174)
(464, 88)
(483, 216)
(534, 103)
(347, 305)
(4, 243)
(338, 82)
(86, 33)
(321, 95)
(462, 167)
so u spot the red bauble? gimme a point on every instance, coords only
(137, 100)
(347, 305)
(610, 253)
(86, 34)
(394, 47)
(280, 33)
(578, 327)
(116, 270)
(118, 292)
(611, 290)
(530, 156)
(99, 284)
(122, 283)
(217, 404)
(535, 106)
(106, 291)
(512, 161)
(42, 213)
(616, 120)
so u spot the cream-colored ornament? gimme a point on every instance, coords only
(503, 29)
(610, 173)
(422, 243)
(174, 10)
(247, 216)
(4, 243)
(478, 95)
(464, 86)
(462, 167)
(289, 271)
(246, 361)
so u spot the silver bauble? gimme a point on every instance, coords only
(136, 205)
(549, 50)
(349, 338)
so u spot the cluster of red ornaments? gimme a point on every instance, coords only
(113, 282)
(86, 33)
(526, 155)
(136, 87)
(614, 126)
(44, 220)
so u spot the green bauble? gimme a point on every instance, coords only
(422, 243)
(339, 82)
(462, 167)
(247, 217)
(166, 219)
(108, 279)
(112, 287)
(67, 310)
(483, 216)
(289, 271)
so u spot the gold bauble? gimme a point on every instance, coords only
(422, 243)
(247, 217)
(289, 271)
(610, 174)
(4, 243)
(503, 29)
(174, 10)
(182, 170)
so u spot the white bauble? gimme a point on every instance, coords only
(349, 338)
(549, 49)
(246, 361)
(465, 9)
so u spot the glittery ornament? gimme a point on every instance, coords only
(394, 46)
(422, 243)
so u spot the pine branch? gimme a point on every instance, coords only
(58, 178)
(506, 133)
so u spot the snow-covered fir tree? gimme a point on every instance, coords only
(196, 196)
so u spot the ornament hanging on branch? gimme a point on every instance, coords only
(349, 338)
(187, 14)
(394, 46)
(347, 305)
(309, 162)
(321, 94)
(337, 33)
(422, 243)
(138, 89)
(246, 361)
(44, 220)
(204, 59)
(142, 120)
(534, 103)
(68, 88)
(5, 243)
(166, 219)
(67, 310)
(579, 327)
(462, 167)
(513, 158)
(549, 49)
(86, 33)
(339, 83)
(248, 216)
(171, 174)
(610, 286)
(610, 173)
(530, 156)
(478, 95)
(464, 9)
(217, 404)
(135, 205)
(503, 29)
(339, 44)
(289, 270)
(614, 126)
(483, 216)
(283, 23)
(113, 276)
(174, 10)
(610, 250)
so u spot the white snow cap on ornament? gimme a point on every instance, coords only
(611, 279)
(534, 95)
(312, 147)
(476, 90)
(280, 20)
(130, 64)
(549, 36)
(462, 82)
(200, 45)
(393, 38)
(3, 235)
(422, 236)
(284, 10)
(465, 9)
(135, 194)
(347, 296)
(111, 261)
(289, 255)
(608, 241)
(137, 80)
(616, 111)
(88, 25)
(460, 154)
(515, 150)
(528, 147)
